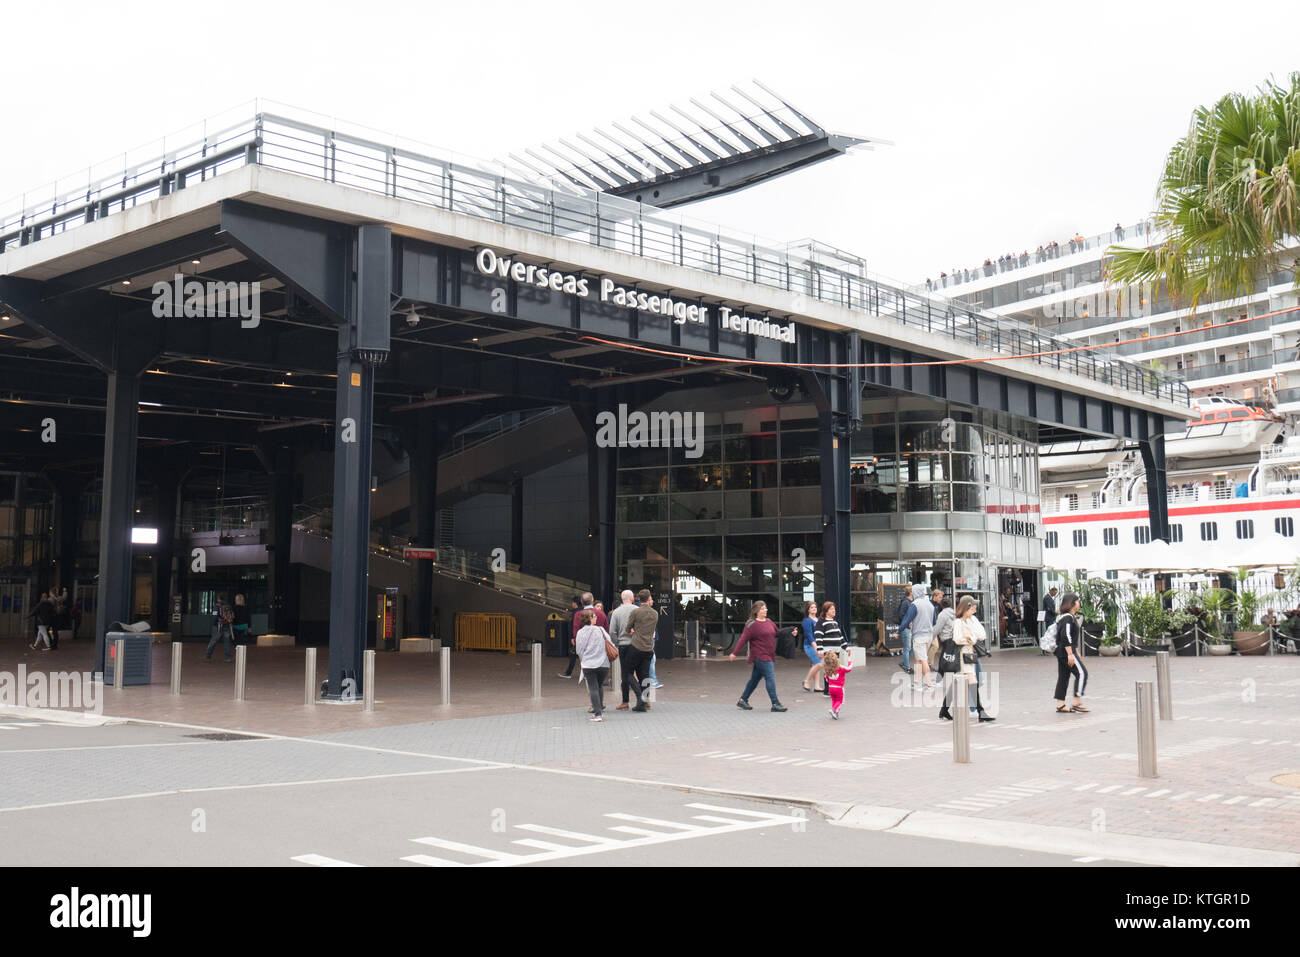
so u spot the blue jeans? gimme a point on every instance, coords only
(654, 679)
(905, 635)
(979, 671)
(766, 670)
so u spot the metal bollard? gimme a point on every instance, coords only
(309, 688)
(241, 666)
(368, 691)
(537, 669)
(616, 672)
(960, 720)
(1146, 730)
(1163, 688)
(176, 667)
(119, 656)
(444, 675)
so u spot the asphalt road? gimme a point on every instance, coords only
(144, 795)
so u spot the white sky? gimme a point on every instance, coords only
(1014, 123)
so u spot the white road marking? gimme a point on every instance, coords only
(317, 860)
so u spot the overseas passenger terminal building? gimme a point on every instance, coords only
(369, 387)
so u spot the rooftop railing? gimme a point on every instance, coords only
(485, 191)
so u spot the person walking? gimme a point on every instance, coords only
(1049, 611)
(943, 623)
(241, 621)
(760, 634)
(828, 635)
(835, 675)
(1069, 656)
(967, 630)
(809, 629)
(43, 613)
(641, 627)
(590, 642)
(620, 624)
(922, 632)
(222, 620)
(587, 601)
(905, 615)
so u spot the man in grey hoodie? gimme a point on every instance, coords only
(922, 630)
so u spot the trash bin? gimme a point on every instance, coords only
(137, 668)
(558, 635)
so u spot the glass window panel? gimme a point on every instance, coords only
(642, 458)
(697, 478)
(801, 472)
(752, 548)
(696, 506)
(795, 445)
(696, 548)
(750, 475)
(751, 448)
(801, 501)
(647, 481)
(812, 543)
(757, 504)
(643, 508)
(644, 549)
(757, 577)
(710, 451)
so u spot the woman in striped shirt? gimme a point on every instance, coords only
(828, 636)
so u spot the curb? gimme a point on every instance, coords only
(1156, 851)
(85, 719)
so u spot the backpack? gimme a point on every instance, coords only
(787, 642)
(1048, 641)
(227, 614)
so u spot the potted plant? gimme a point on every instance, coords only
(1111, 645)
(1213, 604)
(1183, 623)
(1248, 638)
(1147, 620)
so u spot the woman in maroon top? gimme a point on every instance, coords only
(760, 635)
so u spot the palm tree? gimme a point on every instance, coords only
(1229, 198)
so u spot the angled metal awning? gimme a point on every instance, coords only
(680, 155)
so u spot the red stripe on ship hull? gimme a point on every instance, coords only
(1187, 510)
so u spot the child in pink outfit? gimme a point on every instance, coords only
(835, 675)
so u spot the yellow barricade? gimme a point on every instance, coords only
(478, 631)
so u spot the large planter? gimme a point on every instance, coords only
(1251, 642)
(1185, 644)
(1219, 649)
(1093, 631)
(1110, 651)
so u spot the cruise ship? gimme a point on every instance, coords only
(1233, 467)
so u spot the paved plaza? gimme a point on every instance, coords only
(1037, 780)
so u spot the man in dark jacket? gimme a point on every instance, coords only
(641, 627)
(44, 615)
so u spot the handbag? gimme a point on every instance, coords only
(948, 657)
(610, 651)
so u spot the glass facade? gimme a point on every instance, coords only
(941, 495)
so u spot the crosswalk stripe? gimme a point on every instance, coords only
(1179, 797)
(1087, 787)
(465, 848)
(1208, 797)
(1131, 791)
(428, 860)
(657, 822)
(561, 832)
(1236, 800)
(1156, 794)
(319, 860)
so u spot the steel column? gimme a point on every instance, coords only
(350, 545)
(1153, 460)
(836, 511)
(117, 512)
(423, 479)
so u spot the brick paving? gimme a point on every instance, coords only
(1236, 726)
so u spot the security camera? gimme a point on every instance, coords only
(412, 318)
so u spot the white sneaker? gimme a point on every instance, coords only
(835, 714)
(596, 717)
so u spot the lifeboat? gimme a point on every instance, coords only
(1223, 427)
(1076, 456)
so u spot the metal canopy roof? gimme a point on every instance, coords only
(679, 156)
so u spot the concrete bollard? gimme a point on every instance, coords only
(1163, 687)
(616, 672)
(119, 659)
(1146, 730)
(537, 669)
(176, 667)
(241, 669)
(960, 720)
(444, 675)
(309, 687)
(368, 691)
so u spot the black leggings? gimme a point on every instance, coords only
(596, 688)
(1063, 672)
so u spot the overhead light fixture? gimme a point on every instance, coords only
(126, 282)
(194, 262)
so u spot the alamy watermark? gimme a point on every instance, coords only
(654, 430)
(59, 690)
(1115, 302)
(195, 299)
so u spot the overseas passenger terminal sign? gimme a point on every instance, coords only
(603, 296)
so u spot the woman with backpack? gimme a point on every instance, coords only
(1069, 656)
